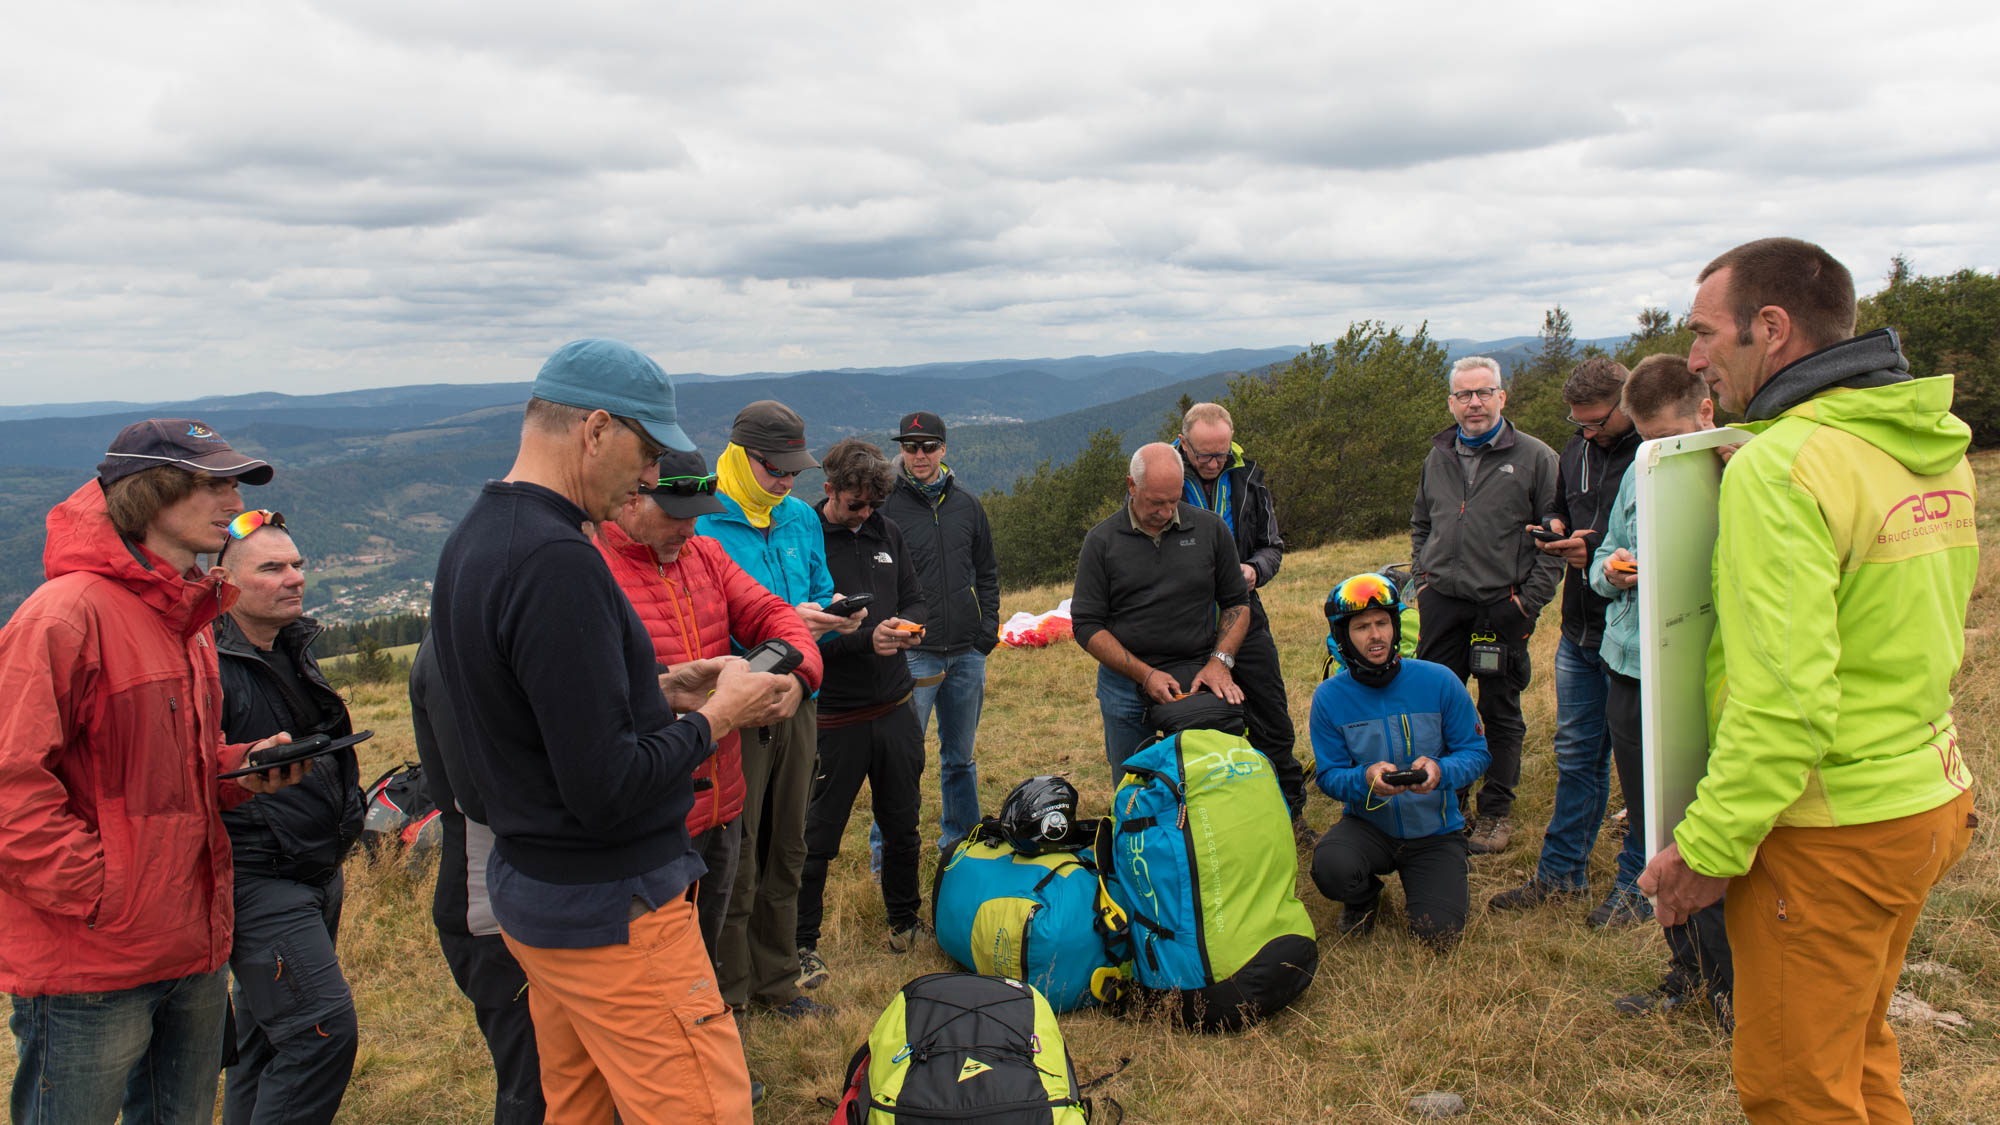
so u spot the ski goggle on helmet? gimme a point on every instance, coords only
(1363, 591)
(1040, 816)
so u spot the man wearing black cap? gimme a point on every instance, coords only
(775, 537)
(583, 755)
(946, 532)
(115, 871)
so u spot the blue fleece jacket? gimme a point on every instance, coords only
(1425, 712)
(788, 558)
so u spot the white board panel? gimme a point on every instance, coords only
(1679, 485)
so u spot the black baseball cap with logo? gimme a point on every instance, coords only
(776, 431)
(686, 488)
(920, 425)
(181, 442)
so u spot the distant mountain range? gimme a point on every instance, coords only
(373, 480)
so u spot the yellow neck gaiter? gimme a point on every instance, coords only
(736, 480)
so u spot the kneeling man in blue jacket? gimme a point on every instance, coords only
(1385, 718)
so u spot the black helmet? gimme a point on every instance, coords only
(1040, 816)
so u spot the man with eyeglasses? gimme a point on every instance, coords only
(116, 880)
(867, 728)
(1591, 466)
(775, 537)
(1221, 480)
(951, 546)
(295, 1028)
(583, 755)
(1481, 581)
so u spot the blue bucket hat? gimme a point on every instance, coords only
(618, 379)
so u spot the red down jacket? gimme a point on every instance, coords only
(692, 607)
(114, 865)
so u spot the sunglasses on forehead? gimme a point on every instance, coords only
(247, 522)
(928, 445)
(688, 486)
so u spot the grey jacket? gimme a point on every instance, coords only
(1470, 541)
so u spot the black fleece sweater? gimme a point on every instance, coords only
(870, 560)
(584, 772)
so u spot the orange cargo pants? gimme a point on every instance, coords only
(640, 1027)
(1818, 928)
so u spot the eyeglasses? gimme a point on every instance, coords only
(1483, 394)
(1589, 428)
(922, 446)
(247, 522)
(651, 447)
(688, 486)
(772, 469)
(1208, 458)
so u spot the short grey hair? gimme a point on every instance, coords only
(1137, 470)
(1467, 363)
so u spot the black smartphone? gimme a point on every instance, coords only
(1406, 777)
(314, 746)
(850, 605)
(774, 656)
(1544, 535)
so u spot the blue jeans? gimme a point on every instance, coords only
(152, 1052)
(1583, 768)
(1124, 711)
(957, 698)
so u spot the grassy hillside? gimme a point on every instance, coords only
(1516, 1019)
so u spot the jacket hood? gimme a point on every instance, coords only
(81, 540)
(1910, 421)
(905, 480)
(1873, 360)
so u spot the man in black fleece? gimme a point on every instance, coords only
(573, 747)
(867, 726)
(1158, 587)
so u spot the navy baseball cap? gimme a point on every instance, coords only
(182, 442)
(618, 379)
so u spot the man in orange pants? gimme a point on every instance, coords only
(1835, 796)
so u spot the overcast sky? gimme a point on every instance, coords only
(305, 196)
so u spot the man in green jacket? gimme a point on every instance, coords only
(1836, 795)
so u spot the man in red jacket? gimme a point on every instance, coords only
(115, 872)
(694, 601)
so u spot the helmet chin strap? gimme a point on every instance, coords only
(1365, 673)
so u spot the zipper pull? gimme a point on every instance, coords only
(1781, 910)
(173, 704)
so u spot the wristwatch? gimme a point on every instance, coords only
(1228, 661)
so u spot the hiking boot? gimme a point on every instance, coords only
(812, 968)
(1490, 835)
(1303, 834)
(1529, 895)
(799, 1008)
(756, 1093)
(1673, 992)
(906, 939)
(1357, 921)
(1622, 907)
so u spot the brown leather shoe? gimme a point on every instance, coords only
(1490, 835)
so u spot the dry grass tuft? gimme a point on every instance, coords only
(1516, 1019)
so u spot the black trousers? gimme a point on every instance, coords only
(1349, 861)
(721, 850)
(1446, 625)
(295, 1028)
(1265, 710)
(490, 977)
(888, 753)
(1699, 947)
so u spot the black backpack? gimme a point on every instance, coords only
(401, 814)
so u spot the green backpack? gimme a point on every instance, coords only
(963, 1047)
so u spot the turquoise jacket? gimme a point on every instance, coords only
(788, 558)
(1619, 646)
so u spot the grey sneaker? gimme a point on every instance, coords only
(812, 968)
(1490, 835)
(1622, 907)
(1529, 895)
(906, 939)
